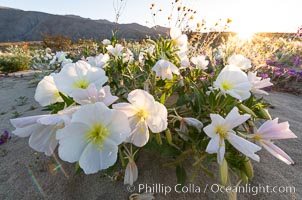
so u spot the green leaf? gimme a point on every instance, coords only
(68, 100)
(78, 169)
(163, 98)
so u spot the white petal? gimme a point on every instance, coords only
(93, 114)
(244, 146)
(140, 134)
(26, 121)
(175, 33)
(141, 99)
(157, 120)
(213, 146)
(210, 130)
(94, 159)
(234, 119)
(72, 141)
(44, 139)
(127, 108)
(119, 128)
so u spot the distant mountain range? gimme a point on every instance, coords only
(18, 25)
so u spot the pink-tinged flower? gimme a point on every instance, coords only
(258, 84)
(222, 128)
(41, 129)
(92, 95)
(272, 130)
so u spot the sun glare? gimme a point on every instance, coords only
(245, 35)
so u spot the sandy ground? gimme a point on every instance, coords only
(26, 174)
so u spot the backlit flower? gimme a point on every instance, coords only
(79, 75)
(143, 113)
(47, 92)
(258, 84)
(116, 50)
(181, 40)
(222, 128)
(165, 69)
(234, 82)
(272, 130)
(200, 62)
(92, 95)
(98, 61)
(106, 42)
(240, 61)
(93, 136)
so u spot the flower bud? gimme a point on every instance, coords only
(248, 168)
(224, 172)
(168, 136)
(244, 177)
(131, 173)
(246, 109)
(265, 114)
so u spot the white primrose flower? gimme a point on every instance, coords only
(61, 56)
(66, 61)
(92, 95)
(222, 128)
(98, 61)
(116, 50)
(272, 130)
(165, 69)
(47, 92)
(231, 80)
(141, 58)
(41, 129)
(143, 112)
(240, 61)
(93, 136)
(258, 84)
(106, 42)
(200, 62)
(79, 75)
(184, 60)
(128, 56)
(181, 40)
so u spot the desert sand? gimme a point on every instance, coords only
(26, 174)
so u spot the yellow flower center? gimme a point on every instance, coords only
(222, 131)
(81, 83)
(226, 85)
(97, 134)
(142, 114)
(56, 95)
(257, 137)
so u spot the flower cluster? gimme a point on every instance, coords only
(158, 96)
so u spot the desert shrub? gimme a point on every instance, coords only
(56, 42)
(14, 62)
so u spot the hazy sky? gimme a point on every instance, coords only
(247, 15)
